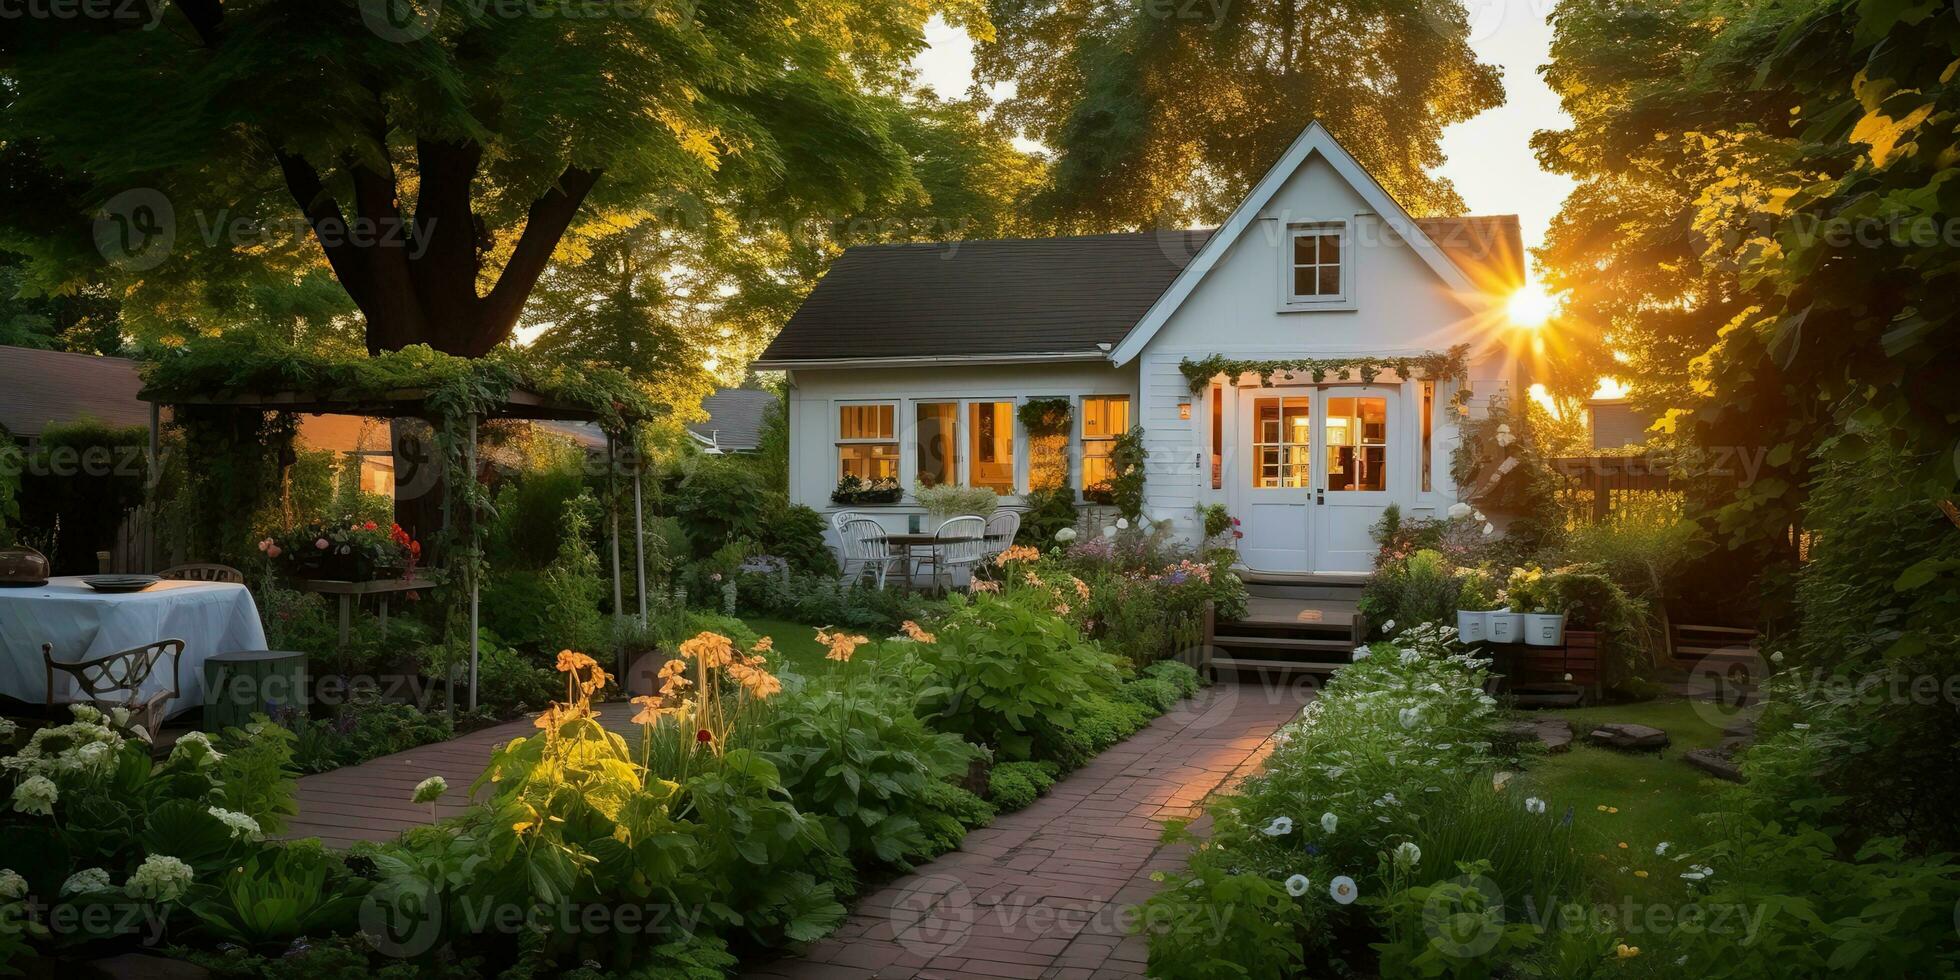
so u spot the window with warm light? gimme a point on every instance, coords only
(938, 441)
(1104, 417)
(1357, 443)
(990, 453)
(1217, 437)
(1428, 434)
(1282, 444)
(867, 441)
(1318, 264)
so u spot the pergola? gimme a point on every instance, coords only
(519, 403)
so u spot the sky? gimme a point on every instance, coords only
(1490, 157)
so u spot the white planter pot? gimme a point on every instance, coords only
(1501, 626)
(1472, 626)
(1544, 629)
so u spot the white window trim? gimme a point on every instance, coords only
(1016, 441)
(1291, 302)
(837, 440)
(908, 449)
(1080, 431)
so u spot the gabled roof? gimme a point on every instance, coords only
(735, 417)
(1085, 297)
(1015, 298)
(42, 386)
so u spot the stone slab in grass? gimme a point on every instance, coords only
(1629, 737)
(1715, 763)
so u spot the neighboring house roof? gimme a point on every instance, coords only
(1078, 297)
(39, 387)
(735, 417)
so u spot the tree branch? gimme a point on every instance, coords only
(550, 216)
(329, 226)
(447, 255)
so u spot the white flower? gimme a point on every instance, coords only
(1360, 654)
(8, 728)
(1109, 530)
(1280, 827)
(242, 825)
(1489, 529)
(1065, 535)
(1697, 872)
(1568, 678)
(1407, 855)
(1800, 726)
(430, 790)
(1329, 821)
(1410, 717)
(36, 796)
(1776, 658)
(1660, 849)
(12, 885)
(195, 746)
(1533, 804)
(87, 714)
(1122, 524)
(1297, 885)
(1459, 509)
(85, 881)
(1476, 515)
(1388, 627)
(161, 878)
(1342, 890)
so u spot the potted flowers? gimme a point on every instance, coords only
(344, 550)
(1531, 599)
(951, 500)
(1475, 595)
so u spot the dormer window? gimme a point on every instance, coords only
(1317, 264)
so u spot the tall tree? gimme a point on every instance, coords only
(434, 155)
(1164, 113)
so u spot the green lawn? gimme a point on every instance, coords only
(1650, 798)
(796, 643)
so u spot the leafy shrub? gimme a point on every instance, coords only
(530, 517)
(794, 533)
(717, 501)
(1181, 677)
(1101, 722)
(279, 895)
(1013, 785)
(1011, 674)
(824, 599)
(1049, 511)
(952, 500)
(1421, 588)
(366, 727)
(573, 586)
(515, 606)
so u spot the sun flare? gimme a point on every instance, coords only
(1531, 306)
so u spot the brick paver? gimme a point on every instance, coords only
(1047, 892)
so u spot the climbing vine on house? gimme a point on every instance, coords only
(1047, 421)
(1450, 365)
(1126, 458)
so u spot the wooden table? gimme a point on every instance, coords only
(347, 591)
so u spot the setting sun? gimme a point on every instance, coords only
(1531, 306)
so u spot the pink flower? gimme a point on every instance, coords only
(320, 544)
(272, 551)
(265, 545)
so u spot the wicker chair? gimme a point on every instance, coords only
(866, 549)
(959, 543)
(203, 572)
(1001, 529)
(116, 681)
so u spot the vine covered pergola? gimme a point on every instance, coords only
(223, 391)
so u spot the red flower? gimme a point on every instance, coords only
(704, 735)
(369, 526)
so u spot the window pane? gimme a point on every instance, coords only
(990, 454)
(1357, 436)
(1428, 433)
(1330, 280)
(1217, 437)
(1306, 282)
(1330, 249)
(938, 442)
(869, 461)
(1284, 427)
(1303, 249)
(866, 421)
(1105, 415)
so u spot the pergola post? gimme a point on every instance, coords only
(612, 518)
(469, 456)
(151, 455)
(639, 538)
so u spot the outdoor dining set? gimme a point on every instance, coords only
(944, 556)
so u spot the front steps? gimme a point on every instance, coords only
(1294, 623)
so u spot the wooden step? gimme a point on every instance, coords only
(1345, 593)
(1338, 645)
(1300, 666)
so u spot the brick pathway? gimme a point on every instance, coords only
(1047, 892)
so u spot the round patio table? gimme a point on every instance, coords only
(904, 544)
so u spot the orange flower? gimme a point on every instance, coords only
(763, 645)
(1019, 552)
(1061, 609)
(709, 648)
(985, 585)
(1032, 578)
(651, 708)
(754, 679)
(841, 645)
(911, 629)
(1081, 588)
(571, 660)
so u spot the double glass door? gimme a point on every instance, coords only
(1317, 471)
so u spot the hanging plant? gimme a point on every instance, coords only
(1046, 416)
(1451, 365)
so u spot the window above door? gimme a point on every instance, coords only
(1318, 269)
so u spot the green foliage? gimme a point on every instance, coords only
(1013, 785)
(795, 533)
(952, 500)
(1048, 512)
(1097, 86)
(530, 520)
(1011, 675)
(1214, 520)
(1126, 464)
(80, 477)
(825, 599)
(255, 775)
(573, 586)
(1421, 588)
(718, 502)
(279, 895)
(1455, 928)
(1046, 416)
(1451, 365)
(366, 727)
(1256, 933)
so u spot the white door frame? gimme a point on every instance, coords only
(1342, 517)
(1309, 528)
(1278, 522)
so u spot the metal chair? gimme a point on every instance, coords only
(959, 543)
(867, 548)
(843, 517)
(1001, 529)
(123, 673)
(203, 571)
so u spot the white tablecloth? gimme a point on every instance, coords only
(210, 617)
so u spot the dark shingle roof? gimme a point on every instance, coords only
(734, 417)
(1039, 295)
(42, 386)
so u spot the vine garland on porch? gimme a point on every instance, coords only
(1450, 365)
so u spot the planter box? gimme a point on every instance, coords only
(1501, 626)
(1472, 626)
(1544, 629)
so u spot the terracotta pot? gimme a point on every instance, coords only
(23, 566)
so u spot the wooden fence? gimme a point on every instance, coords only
(1596, 486)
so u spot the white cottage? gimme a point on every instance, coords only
(907, 362)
